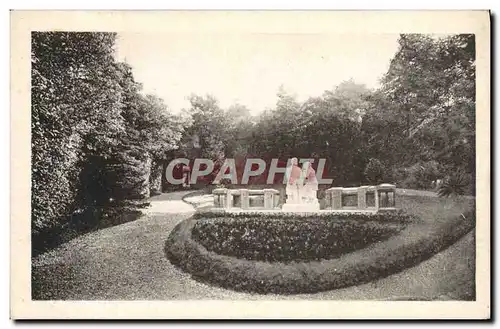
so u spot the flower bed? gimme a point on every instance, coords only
(273, 237)
(414, 244)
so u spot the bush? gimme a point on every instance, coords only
(456, 184)
(413, 245)
(420, 175)
(290, 239)
(374, 171)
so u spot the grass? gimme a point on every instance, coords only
(124, 262)
(443, 222)
(83, 223)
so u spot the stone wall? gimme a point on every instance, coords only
(246, 199)
(380, 197)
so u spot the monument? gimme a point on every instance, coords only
(301, 188)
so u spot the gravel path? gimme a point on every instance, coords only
(127, 262)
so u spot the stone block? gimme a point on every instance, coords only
(386, 196)
(219, 197)
(245, 199)
(269, 195)
(229, 200)
(336, 197)
(362, 197)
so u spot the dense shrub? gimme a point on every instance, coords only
(374, 171)
(413, 245)
(70, 84)
(289, 239)
(455, 184)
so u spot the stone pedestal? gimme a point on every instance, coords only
(292, 193)
(386, 196)
(310, 203)
(335, 197)
(229, 199)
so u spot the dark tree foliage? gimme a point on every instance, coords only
(95, 137)
(428, 99)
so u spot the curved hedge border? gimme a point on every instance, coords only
(413, 245)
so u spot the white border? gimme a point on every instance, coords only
(345, 22)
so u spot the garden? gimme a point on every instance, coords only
(101, 147)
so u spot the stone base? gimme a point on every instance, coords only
(301, 207)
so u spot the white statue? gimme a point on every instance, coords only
(301, 188)
(293, 182)
(310, 189)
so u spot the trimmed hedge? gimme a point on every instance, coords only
(413, 245)
(289, 239)
(398, 216)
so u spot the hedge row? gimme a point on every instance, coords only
(399, 216)
(289, 239)
(413, 245)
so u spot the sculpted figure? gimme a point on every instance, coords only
(293, 182)
(310, 188)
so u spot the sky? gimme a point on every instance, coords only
(249, 69)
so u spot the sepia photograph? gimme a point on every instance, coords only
(251, 157)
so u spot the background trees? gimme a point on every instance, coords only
(322, 127)
(428, 95)
(418, 127)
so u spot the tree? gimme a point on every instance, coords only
(74, 96)
(241, 124)
(321, 127)
(349, 99)
(208, 135)
(429, 94)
